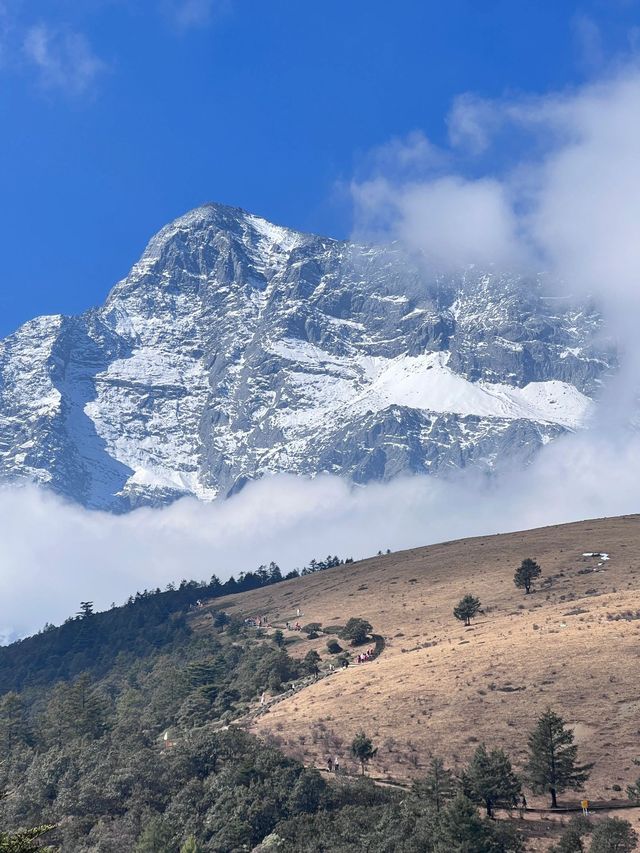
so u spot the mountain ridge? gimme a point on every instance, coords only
(235, 348)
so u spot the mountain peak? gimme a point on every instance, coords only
(236, 348)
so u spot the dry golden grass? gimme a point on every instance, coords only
(441, 688)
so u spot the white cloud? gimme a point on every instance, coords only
(54, 554)
(588, 38)
(568, 203)
(451, 220)
(63, 58)
(191, 14)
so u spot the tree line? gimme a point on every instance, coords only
(147, 621)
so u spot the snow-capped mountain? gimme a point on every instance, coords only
(235, 348)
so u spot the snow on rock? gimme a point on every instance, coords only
(236, 348)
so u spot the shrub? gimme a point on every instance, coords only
(357, 630)
(614, 835)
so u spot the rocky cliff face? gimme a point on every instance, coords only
(235, 348)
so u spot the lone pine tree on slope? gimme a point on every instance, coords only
(467, 608)
(362, 748)
(526, 573)
(552, 766)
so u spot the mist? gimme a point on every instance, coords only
(532, 184)
(55, 554)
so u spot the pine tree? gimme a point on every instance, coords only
(86, 708)
(614, 835)
(74, 710)
(461, 828)
(357, 630)
(14, 727)
(156, 838)
(552, 766)
(25, 841)
(311, 662)
(437, 787)
(86, 610)
(275, 574)
(466, 609)
(489, 779)
(526, 573)
(191, 846)
(362, 748)
(571, 839)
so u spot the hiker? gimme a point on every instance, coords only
(336, 765)
(329, 764)
(523, 805)
(585, 807)
(262, 699)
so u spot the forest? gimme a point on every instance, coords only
(123, 730)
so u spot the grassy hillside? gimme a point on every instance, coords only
(135, 729)
(572, 644)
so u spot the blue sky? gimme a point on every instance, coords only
(118, 115)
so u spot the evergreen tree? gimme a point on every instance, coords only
(552, 766)
(362, 748)
(156, 838)
(571, 840)
(191, 846)
(462, 830)
(74, 710)
(86, 708)
(489, 779)
(86, 610)
(278, 638)
(220, 619)
(437, 787)
(526, 573)
(311, 662)
(26, 841)
(633, 791)
(467, 608)
(275, 574)
(14, 728)
(307, 793)
(357, 630)
(614, 835)
(262, 574)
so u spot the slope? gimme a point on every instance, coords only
(440, 688)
